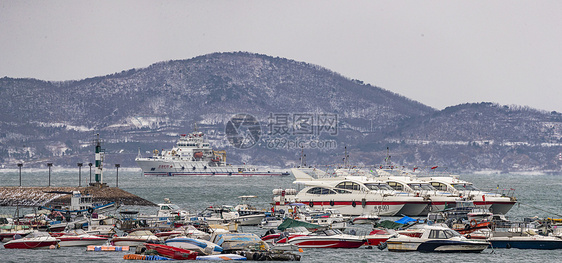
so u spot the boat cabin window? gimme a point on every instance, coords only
(439, 186)
(420, 186)
(464, 186)
(164, 207)
(320, 191)
(378, 186)
(442, 234)
(340, 191)
(396, 186)
(349, 185)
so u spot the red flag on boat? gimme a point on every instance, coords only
(433, 167)
(484, 198)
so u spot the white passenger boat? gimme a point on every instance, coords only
(193, 156)
(414, 186)
(494, 202)
(352, 195)
(436, 238)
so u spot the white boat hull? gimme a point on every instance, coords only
(81, 241)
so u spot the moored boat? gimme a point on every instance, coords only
(172, 252)
(79, 238)
(436, 238)
(135, 238)
(32, 241)
(198, 245)
(526, 242)
(330, 238)
(192, 155)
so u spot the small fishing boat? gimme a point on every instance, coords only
(330, 238)
(367, 218)
(198, 245)
(135, 238)
(33, 240)
(79, 238)
(378, 236)
(270, 222)
(248, 214)
(172, 252)
(238, 241)
(436, 238)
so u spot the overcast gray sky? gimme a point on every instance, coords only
(440, 53)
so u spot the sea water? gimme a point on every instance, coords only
(538, 195)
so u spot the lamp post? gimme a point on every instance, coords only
(117, 178)
(20, 165)
(79, 174)
(90, 164)
(49, 165)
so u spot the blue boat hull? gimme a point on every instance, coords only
(527, 244)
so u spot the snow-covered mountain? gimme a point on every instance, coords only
(295, 103)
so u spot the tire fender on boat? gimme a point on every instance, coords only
(332, 203)
(473, 223)
(353, 204)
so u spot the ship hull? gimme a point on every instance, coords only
(181, 168)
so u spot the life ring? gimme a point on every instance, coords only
(332, 203)
(473, 223)
(91, 210)
(353, 204)
(311, 204)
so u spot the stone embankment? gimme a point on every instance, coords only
(52, 196)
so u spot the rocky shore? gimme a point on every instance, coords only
(51, 196)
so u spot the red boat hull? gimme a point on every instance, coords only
(328, 243)
(30, 244)
(173, 252)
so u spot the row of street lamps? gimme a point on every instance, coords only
(79, 172)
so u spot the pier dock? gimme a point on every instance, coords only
(50, 196)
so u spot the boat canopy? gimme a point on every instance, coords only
(289, 223)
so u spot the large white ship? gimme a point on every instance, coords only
(193, 156)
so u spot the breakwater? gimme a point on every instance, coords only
(51, 196)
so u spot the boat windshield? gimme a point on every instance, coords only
(329, 232)
(464, 187)
(421, 186)
(174, 207)
(443, 234)
(378, 187)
